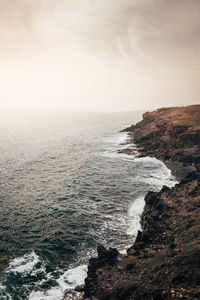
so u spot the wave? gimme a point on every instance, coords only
(117, 139)
(135, 212)
(116, 143)
(156, 179)
(24, 264)
(31, 265)
(69, 280)
(156, 173)
(123, 156)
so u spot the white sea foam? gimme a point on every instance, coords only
(69, 280)
(4, 294)
(156, 178)
(73, 277)
(24, 264)
(118, 142)
(114, 154)
(37, 271)
(117, 138)
(124, 251)
(134, 213)
(158, 174)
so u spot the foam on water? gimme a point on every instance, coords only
(69, 280)
(123, 156)
(119, 142)
(73, 277)
(27, 265)
(124, 251)
(4, 294)
(156, 179)
(24, 264)
(134, 213)
(116, 139)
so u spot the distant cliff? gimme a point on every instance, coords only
(164, 262)
(170, 134)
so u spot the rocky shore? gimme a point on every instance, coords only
(164, 262)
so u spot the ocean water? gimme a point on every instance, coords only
(64, 189)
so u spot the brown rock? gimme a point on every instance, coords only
(164, 262)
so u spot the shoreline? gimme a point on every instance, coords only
(77, 292)
(164, 261)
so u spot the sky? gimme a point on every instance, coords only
(99, 55)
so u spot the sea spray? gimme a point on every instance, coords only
(23, 265)
(156, 179)
(69, 280)
(134, 213)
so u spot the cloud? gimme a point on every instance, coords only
(16, 30)
(151, 31)
(147, 30)
(99, 55)
(144, 32)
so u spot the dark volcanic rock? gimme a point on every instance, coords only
(164, 262)
(170, 134)
(106, 258)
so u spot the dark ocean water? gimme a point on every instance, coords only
(64, 190)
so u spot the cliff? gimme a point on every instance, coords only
(164, 262)
(172, 135)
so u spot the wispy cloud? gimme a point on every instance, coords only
(144, 29)
(99, 55)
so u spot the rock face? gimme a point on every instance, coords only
(164, 262)
(170, 134)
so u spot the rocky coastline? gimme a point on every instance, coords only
(164, 262)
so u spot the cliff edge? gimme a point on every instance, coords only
(164, 262)
(170, 134)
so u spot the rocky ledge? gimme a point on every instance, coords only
(164, 262)
(172, 135)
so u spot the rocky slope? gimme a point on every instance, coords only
(170, 134)
(164, 262)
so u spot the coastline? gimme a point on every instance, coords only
(164, 261)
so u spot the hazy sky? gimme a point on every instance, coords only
(99, 55)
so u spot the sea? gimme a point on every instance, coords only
(65, 189)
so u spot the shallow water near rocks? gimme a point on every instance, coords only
(64, 190)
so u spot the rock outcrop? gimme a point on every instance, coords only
(172, 135)
(164, 262)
